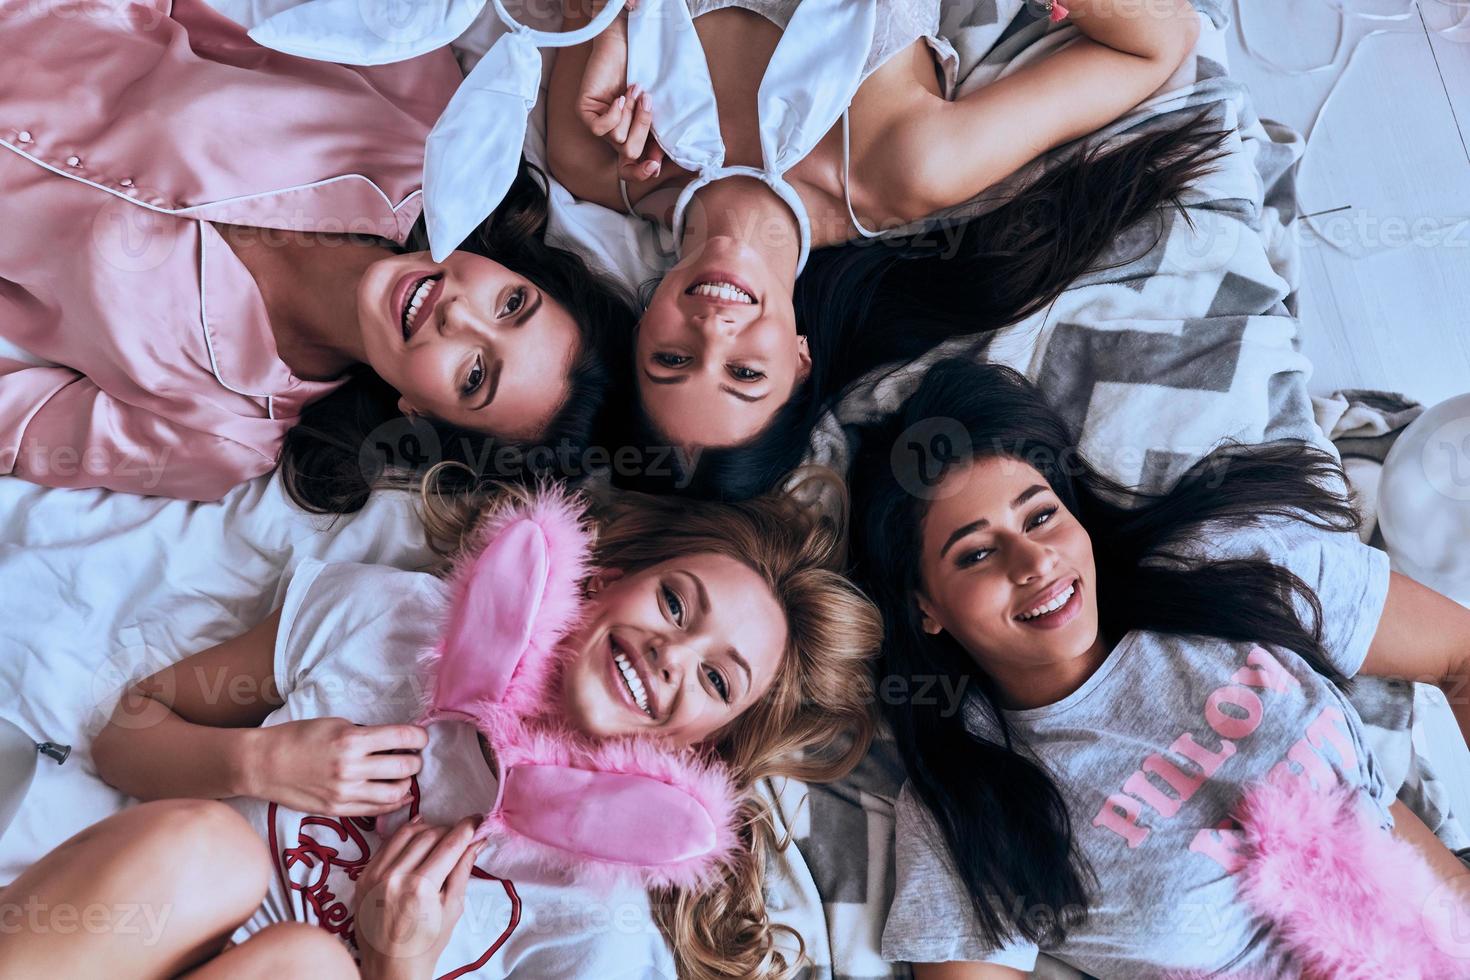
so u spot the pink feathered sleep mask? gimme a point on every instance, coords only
(604, 809)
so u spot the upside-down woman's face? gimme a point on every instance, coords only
(468, 341)
(716, 353)
(678, 650)
(1007, 570)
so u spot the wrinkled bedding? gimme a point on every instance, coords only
(1155, 360)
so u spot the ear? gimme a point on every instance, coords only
(405, 407)
(803, 358)
(928, 621)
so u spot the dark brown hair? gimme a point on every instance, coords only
(866, 304)
(355, 438)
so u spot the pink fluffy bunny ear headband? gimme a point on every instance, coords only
(628, 808)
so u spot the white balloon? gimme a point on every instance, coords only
(18, 756)
(1424, 499)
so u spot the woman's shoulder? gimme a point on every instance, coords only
(363, 620)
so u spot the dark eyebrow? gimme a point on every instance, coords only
(491, 386)
(974, 526)
(699, 591)
(678, 379)
(743, 397)
(743, 665)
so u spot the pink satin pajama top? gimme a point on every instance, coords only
(135, 353)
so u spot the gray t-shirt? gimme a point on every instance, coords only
(1152, 754)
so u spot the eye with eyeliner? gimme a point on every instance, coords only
(718, 682)
(473, 378)
(674, 603)
(515, 303)
(668, 360)
(967, 559)
(746, 374)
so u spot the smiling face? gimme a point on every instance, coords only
(717, 353)
(1008, 571)
(468, 341)
(678, 650)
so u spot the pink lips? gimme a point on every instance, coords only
(400, 297)
(717, 275)
(615, 675)
(1059, 617)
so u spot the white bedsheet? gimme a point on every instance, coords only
(97, 588)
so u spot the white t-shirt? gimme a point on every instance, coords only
(348, 644)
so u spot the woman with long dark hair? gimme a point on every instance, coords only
(739, 346)
(1140, 675)
(215, 245)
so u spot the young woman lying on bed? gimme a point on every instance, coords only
(1154, 770)
(743, 641)
(214, 248)
(724, 357)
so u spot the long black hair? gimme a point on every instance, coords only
(866, 304)
(355, 438)
(1002, 817)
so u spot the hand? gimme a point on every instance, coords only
(331, 766)
(620, 114)
(410, 896)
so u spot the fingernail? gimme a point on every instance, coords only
(646, 100)
(622, 99)
(652, 168)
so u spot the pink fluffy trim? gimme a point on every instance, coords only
(706, 782)
(1349, 899)
(562, 519)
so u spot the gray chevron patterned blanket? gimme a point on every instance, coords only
(1184, 338)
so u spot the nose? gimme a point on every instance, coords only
(459, 319)
(674, 657)
(1031, 561)
(715, 325)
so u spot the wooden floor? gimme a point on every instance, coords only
(1391, 152)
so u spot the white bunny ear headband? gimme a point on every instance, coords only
(474, 150)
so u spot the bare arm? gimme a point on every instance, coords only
(582, 162)
(950, 154)
(1424, 636)
(188, 729)
(192, 730)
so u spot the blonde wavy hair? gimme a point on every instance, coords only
(815, 724)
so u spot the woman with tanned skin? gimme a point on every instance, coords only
(719, 349)
(1134, 667)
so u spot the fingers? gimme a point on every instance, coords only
(410, 858)
(391, 848)
(388, 738)
(447, 852)
(639, 124)
(459, 878)
(391, 793)
(626, 104)
(383, 766)
(605, 123)
(646, 168)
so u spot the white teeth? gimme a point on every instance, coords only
(722, 290)
(1052, 606)
(416, 301)
(634, 682)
